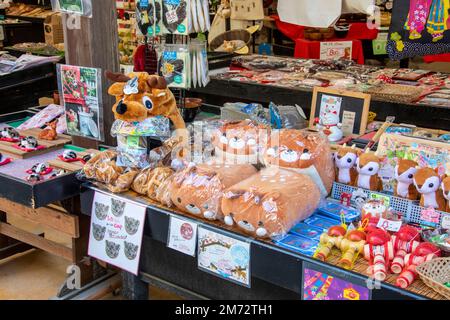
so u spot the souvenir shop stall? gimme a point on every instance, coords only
(274, 178)
(319, 197)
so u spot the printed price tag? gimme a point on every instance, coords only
(182, 236)
(335, 50)
(389, 225)
(116, 232)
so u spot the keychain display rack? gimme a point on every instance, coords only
(410, 209)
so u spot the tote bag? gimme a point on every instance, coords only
(310, 13)
(247, 10)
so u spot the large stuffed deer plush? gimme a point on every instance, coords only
(140, 96)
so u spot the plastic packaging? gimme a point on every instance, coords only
(271, 202)
(305, 152)
(149, 179)
(303, 245)
(103, 168)
(287, 117)
(78, 7)
(198, 189)
(240, 141)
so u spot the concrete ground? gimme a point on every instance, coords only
(37, 275)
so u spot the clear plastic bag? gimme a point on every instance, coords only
(271, 202)
(240, 141)
(103, 168)
(132, 151)
(149, 180)
(287, 117)
(198, 189)
(303, 151)
(78, 7)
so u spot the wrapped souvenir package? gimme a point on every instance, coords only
(271, 202)
(240, 141)
(104, 169)
(149, 180)
(305, 152)
(198, 189)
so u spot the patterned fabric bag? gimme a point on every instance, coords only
(418, 28)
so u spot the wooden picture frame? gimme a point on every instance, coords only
(352, 102)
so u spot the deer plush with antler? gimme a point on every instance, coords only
(140, 96)
(345, 160)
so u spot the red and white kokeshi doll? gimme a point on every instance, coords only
(379, 251)
(425, 251)
(405, 241)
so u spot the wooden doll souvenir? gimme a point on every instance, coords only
(427, 182)
(367, 166)
(404, 173)
(345, 160)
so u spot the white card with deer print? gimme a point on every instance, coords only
(182, 236)
(116, 231)
(224, 256)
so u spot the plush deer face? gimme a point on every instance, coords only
(346, 157)
(368, 164)
(198, 189)
(426, 180)
(446, 187)
(405, 170)
(139, 96)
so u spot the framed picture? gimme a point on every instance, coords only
(347, 109)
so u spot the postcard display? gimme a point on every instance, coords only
(80, 92)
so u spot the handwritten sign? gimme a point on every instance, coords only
(182, 236)
(223, 256)
(116, 231)
(330, 50)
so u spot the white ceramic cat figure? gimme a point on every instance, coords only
(329, 124)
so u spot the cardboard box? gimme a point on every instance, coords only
(53, 29)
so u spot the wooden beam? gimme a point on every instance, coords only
(94, 43)
(15, 248)
(36, 241)
(57, 220)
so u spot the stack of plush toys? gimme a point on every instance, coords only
(265, 181)
(296, 166)
(361, 169)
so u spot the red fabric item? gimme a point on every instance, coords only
(307, 49)
(139, 59)
(292, 31)
(444, 57)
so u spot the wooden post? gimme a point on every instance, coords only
(93, 42)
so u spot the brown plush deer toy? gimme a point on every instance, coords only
(427, 182)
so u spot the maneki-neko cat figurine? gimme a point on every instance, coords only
(345, 160)
(428, 182)
(404, 174)
(140, 96)
(368, 166)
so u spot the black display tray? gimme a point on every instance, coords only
(276, 272)
(38, 194)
